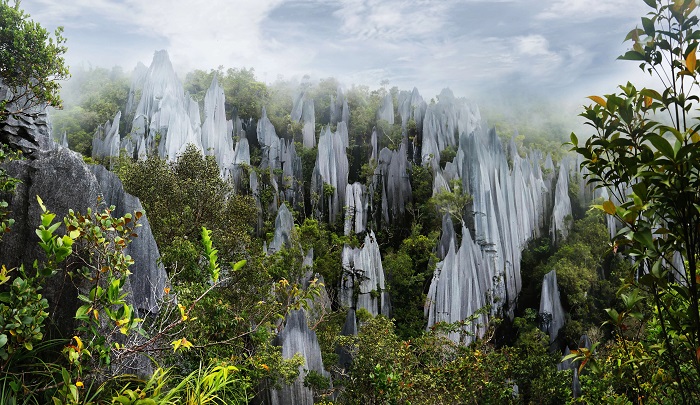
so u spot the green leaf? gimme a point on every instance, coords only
(238, 265)
(661, 145)
(651, 3)
(81, 313)
(648, 25)
(614, 315)
(3, 340)
(632, 55)
(644, 238)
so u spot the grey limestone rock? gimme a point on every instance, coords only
(551, 310)
(355, 209)
(331, 169)
(148, 282)
(297, 337)
(363, 267)
(458, 289)
(106, 142)
(216, 133)
(386, 111)
(309, 120)
(64, 182)
(162, 119)
(283, 229)
(561, 214)
(392, 179)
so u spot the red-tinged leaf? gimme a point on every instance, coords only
(583, 363)
(697, 354)
(599, 100)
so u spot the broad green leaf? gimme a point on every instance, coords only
(648, 25)
(614, 315)
(661, 145)
(632, 55)
(651, 3)
(81, 313)
(644, 238)
(634, 34)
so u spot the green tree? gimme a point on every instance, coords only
(31, 61)
(644, 151)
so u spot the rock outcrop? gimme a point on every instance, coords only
(63, 181)
(551, 311)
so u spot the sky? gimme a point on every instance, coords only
(482, 49)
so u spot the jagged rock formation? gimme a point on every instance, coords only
(63, 181)
(456, 291)
(411, 106)
(106, 141)
(505, 213)
(561, 214)
(164, 118)
(296, 337)
(283, 229)
(303, 111)
(444, 122)
(355, 209)
(217, 137)
(551, 311)
(148, 283)
(330, 176)
(391, 179)
(386, 111)
(513, 197)
(362, 270)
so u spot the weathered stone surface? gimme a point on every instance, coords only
(391, 178)
(216, 135)
(331, 169)
(149, 281)
(355, 209)
(561, 214)
(457, 289)
(296, 337)
(283, 229)
(106, 141)
(551, 310)
(386, 111)
(162, 119)
(63, 181)
(363, 267)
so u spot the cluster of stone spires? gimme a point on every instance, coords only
(514, 197)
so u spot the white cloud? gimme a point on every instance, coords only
(586, 10)
(391, 20)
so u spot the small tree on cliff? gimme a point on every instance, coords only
(645, 151)
(31, 62)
